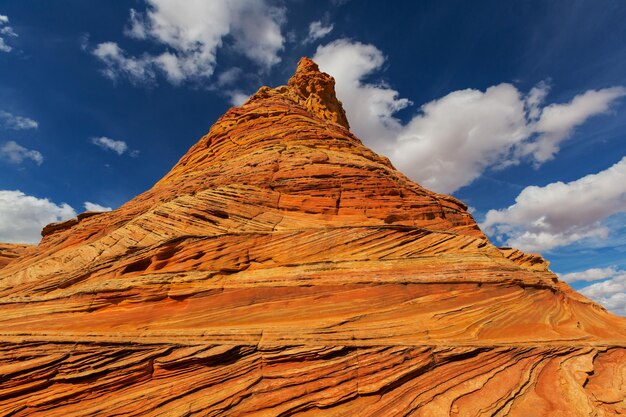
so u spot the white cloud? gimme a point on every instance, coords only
(561, 213)
(369, 107)
(118, 64)
(592, 274)
(558, 120)
(191, 33)
(16, 154)
(117, 146)
(457, 137)
(237, 98)
(610, 293)
(4, 47)
(5, 33)
(256, 30)
(11, 121)
(89, 206)
(317, 31)
(453, 139)
(23, 216)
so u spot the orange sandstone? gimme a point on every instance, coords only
(11, 251)
(283, 268)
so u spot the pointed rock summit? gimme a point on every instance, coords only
(283, 268)
(316, 91)
(312, 89)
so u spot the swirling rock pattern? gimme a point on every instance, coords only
(282, 268)
(10, 252)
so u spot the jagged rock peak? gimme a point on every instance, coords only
(318, 90)
(313, 89)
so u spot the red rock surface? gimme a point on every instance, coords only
(282, 268)
(11, 251)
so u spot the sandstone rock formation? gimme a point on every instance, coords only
(10, 252)
(282, 268)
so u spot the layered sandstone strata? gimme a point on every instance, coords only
(283, 268)
(11, 251)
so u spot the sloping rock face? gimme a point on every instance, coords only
(10, 252)
(282, 268)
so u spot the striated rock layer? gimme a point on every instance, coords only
(10, 252)
(282, 268)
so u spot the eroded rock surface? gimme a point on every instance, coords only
(11, 251)
(282, 268)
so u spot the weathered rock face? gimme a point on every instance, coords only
(10, 252)
(282, 268)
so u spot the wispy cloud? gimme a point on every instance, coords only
(119, 65)
(454, 139)
(117, 146)
(229, 77)
(11, 121)
(317, 30)
(191, 32)
(557, 121)
(16, 154)
(6, 32)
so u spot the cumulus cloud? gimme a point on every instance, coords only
(457, 137)
(611, 293)
(16, 154)
(6, 32)
(23, 216)
(317, 30)
(370, 107)
(118, 146)
(560, 213)
(11, 121)
(191, 33)
(451, 141)
(89, 206)
(592, 274)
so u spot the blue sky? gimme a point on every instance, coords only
(516, 107)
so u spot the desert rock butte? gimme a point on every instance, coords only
(283, 268)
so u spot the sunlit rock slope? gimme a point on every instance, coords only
(283, 268)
